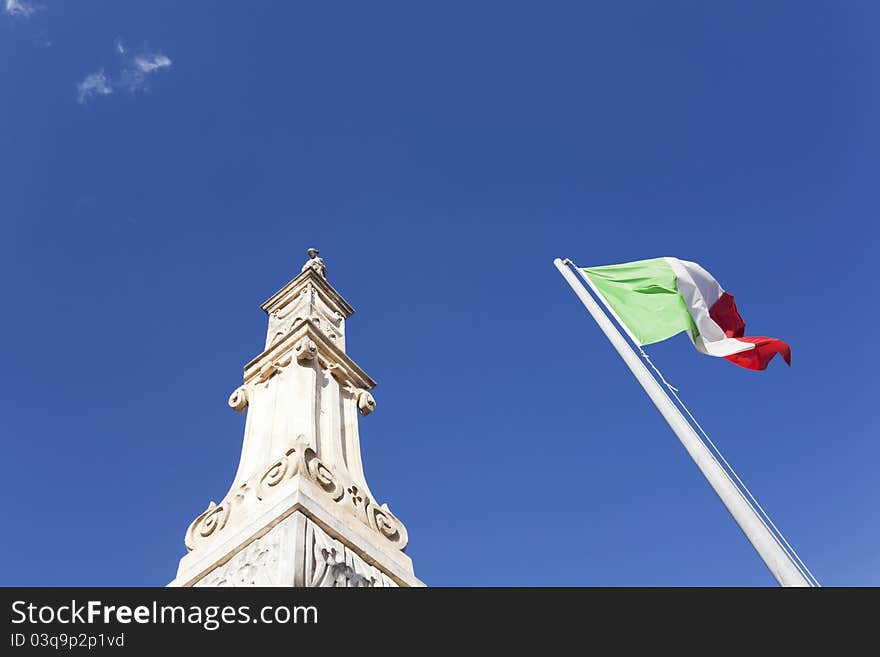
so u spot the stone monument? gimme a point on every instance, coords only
(299, 511)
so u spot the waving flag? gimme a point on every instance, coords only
(653, 300)
(658, 298)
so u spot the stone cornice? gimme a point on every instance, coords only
(307, 342)
(326, 291)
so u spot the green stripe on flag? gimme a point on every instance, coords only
(645, 297)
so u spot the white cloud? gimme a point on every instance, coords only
(22, 8)
(150, 63)
(132, 77)
(95, 84)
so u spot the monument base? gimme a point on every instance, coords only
(297, 542)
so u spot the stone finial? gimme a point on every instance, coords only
(316, 263)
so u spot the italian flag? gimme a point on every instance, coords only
(658, 298)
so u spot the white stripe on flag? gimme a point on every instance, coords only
(694, 285)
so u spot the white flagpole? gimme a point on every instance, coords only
(778, 561)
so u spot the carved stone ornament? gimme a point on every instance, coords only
(256, 565)
(212, 519)
(238, 400)
(365, 402)
(306, 350)
(298, 458)
(331, 563)
(268, 370)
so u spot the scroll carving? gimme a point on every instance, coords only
(365, 402)
(320, 473)
(212, 519)
(283, 468)
(383, 521)
(298, 458)
(238, 400)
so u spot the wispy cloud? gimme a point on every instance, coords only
(150, 63)
(23, 8)
(95, 84)
(132, 76)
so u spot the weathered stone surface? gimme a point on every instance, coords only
(296, 552)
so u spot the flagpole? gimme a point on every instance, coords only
(778, 561)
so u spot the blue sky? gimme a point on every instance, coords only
(440, 158)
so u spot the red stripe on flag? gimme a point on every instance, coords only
(724, 313)
(764, 351)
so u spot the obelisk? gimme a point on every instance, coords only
(299, 511)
